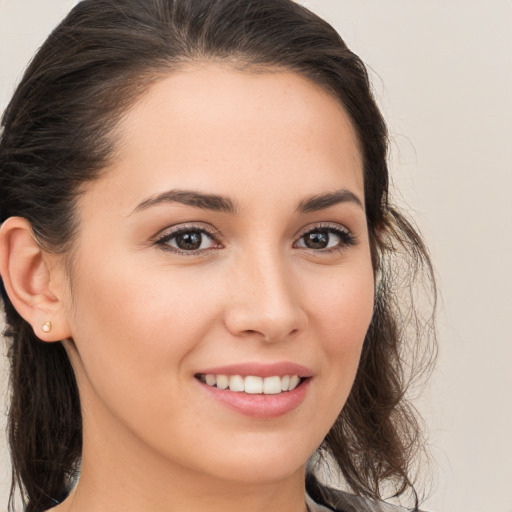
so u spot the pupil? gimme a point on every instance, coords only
(317, 240)
(189, 241)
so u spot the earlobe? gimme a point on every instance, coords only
(27, 276)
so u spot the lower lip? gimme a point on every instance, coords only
(259, 406)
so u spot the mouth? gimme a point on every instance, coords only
(257, 390)
(252, 384)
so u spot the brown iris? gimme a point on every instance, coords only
(316, 240)
(189, 241)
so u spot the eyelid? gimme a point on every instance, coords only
(349, 239)
(323, 225)
(167, 234)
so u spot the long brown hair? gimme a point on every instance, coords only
(58, 133)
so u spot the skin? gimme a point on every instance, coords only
(143, 320)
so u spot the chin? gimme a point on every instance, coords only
(261, 472)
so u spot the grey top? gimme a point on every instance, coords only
(350, 503)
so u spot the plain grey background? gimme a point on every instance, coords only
(442, 71)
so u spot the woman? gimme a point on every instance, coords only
(198, 254)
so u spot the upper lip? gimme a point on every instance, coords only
(260, 369)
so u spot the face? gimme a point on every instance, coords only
(227, 246)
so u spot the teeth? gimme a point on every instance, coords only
(236, 383)
(252, 384)
(222, 381)
(294, 382)
(272, 385)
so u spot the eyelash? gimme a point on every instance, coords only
(347, 239)
(164, 239)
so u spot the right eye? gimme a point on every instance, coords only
(188, 240)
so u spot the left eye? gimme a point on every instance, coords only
(325, 239)
(190, 240)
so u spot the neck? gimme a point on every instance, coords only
(118, 472)
(222, 497)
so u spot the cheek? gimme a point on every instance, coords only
(343, 312)
(134, 332)
(344, 309)
(128, 320)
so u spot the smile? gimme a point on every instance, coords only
(251, 384)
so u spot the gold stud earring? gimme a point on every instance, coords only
(47, 326)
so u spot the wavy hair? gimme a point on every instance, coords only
(58, 133)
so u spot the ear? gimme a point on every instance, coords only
(33, 280)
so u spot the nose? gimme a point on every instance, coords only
(265, 301)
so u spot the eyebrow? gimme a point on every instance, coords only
(323, 201)
(212, 202)
(218, 203)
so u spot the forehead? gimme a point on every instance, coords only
(212, 126)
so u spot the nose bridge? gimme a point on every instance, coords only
(264, 299)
